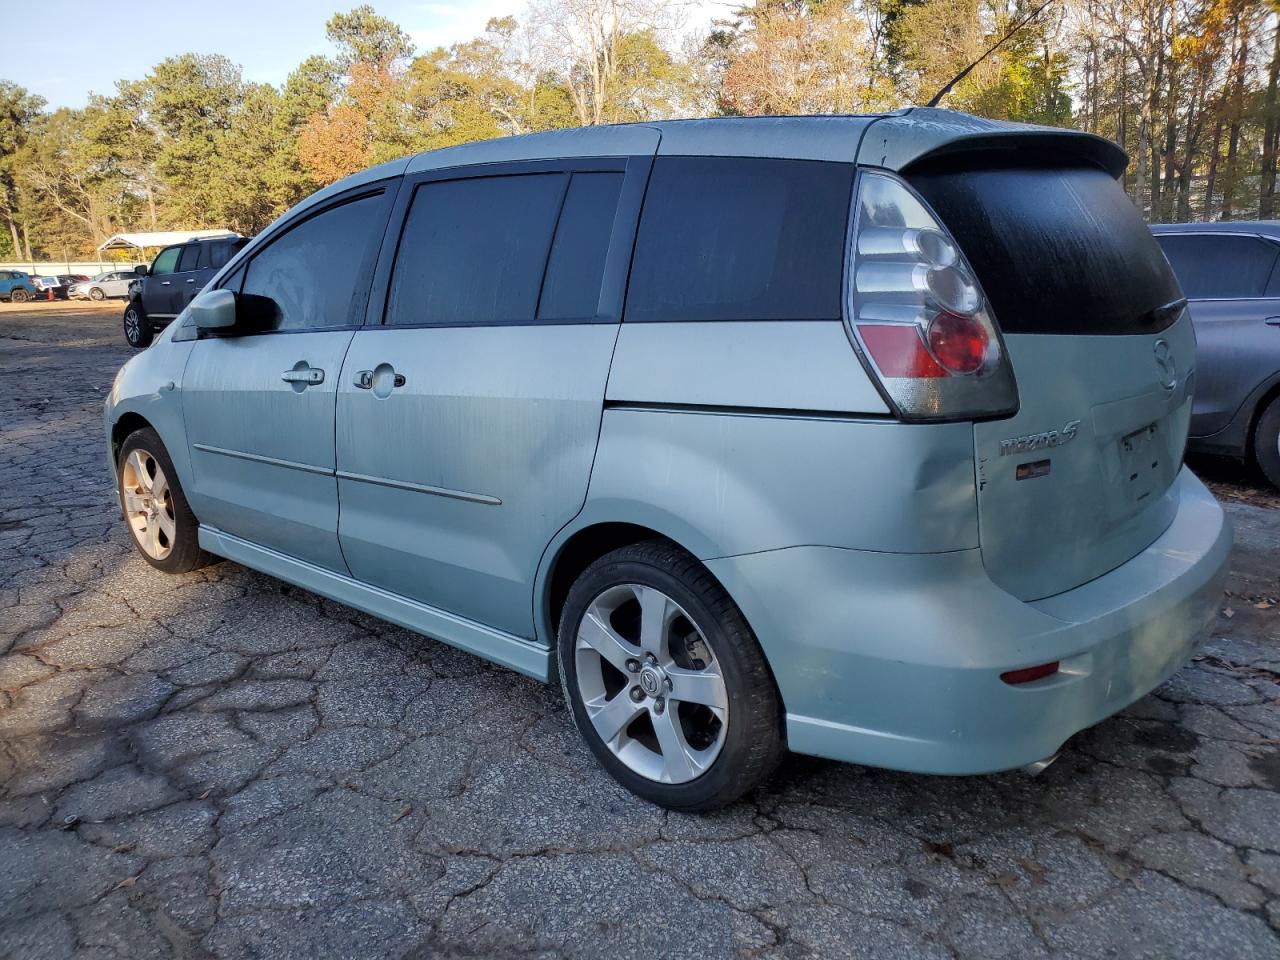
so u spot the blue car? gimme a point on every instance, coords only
(856, 436)
(17, 286)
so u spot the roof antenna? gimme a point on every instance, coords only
(994, 47)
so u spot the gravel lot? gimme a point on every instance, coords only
(221, 765)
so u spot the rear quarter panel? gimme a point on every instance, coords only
(1236, 351)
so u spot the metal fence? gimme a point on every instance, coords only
(50, 268)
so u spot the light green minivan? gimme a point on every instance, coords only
(858, 436)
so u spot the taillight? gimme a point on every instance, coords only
(918, 312)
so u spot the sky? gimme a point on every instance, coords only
(95, 47)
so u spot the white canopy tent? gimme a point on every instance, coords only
(157, 238)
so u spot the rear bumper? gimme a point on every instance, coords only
(894, 660)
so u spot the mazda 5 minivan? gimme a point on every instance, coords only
(856, 436)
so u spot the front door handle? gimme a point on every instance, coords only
(164, 283)
(308, 376)
(1272, 321)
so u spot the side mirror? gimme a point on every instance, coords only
(141, 270)
(214, 311)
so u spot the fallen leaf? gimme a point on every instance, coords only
(402, 814)
(1120, 870)
(205, 795)
(1228, 612)
(1005, 880)
(1035, 871)
(1263, 605)
(127, 882)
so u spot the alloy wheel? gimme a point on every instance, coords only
(148, 504)
(651, 684)
(131, 325)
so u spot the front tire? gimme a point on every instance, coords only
(1266, 442)
(19, 296)
(164, 529)
(137, 327)
(97, 294)
(665, 680)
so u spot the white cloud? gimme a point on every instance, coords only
(448, 23)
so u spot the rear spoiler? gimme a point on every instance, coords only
(901, 140)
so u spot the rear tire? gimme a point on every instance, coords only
(137, 327)
(164, 529)
(1266, 442)
(97, 294)
(19, 296)
(689, 707)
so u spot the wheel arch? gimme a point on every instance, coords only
(593, 534)
(1269, 395)
(128, 423)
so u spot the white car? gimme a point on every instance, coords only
(114, 284)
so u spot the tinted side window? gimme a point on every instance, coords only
(317, 273)
(741, 239)
(1219, 266)
(473, 251)
(166, 261)
(571, 289)
(190, 257)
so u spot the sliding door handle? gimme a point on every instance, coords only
(364, 378)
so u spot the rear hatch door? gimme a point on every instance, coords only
(1079, 480)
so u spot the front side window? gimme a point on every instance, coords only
(1219, 266)
(317, 273)
(166, 261)
(474, 251)
(736, 238)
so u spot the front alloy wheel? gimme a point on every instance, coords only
(137, 328)
(666, 681)
(164, 529)
(148, 504)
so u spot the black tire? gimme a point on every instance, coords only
(96, 293)
(137, 326)
(1266, 442)
(753, 741)
(19, 296)
(184, 554)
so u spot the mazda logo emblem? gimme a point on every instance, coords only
(1165, 363)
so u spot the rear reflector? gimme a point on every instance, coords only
(898, 350)
(1028, 674)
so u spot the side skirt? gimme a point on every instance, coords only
(523, 656)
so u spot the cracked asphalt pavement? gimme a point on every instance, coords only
(220, 765)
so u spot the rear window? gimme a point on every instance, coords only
(1058, 250)
(1219, 267)
(734, 238)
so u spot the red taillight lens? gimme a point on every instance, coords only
(959, 343)
(1028, 674)
(898, 350)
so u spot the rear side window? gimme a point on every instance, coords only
(475, 251)
(740, 239)
(575, 269)
(317, 273)
(190, 257)
(1058, 250)
(1219, 267)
